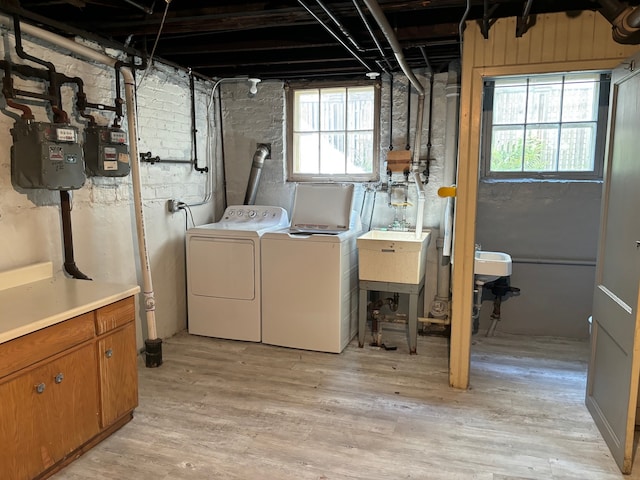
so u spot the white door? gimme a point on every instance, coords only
(614, 366)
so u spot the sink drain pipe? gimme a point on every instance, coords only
(153, 345)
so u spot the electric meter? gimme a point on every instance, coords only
(46, 155)
(105, 152)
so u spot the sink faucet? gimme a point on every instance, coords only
(478, 247)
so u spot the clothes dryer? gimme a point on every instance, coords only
(224, 272)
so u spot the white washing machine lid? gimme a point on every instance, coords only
(322, 208)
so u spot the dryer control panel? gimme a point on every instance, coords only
(258, 215)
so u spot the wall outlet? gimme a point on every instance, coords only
(173, 205)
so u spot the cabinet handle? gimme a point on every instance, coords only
(40, 387)
(59, 377)
(108, 353)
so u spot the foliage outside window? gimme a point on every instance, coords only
(333, 132)
(545, 126)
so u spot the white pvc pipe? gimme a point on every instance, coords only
(127, 75)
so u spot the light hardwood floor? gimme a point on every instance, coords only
(221, 409)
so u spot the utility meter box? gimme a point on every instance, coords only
(46, 155)
(105, 152)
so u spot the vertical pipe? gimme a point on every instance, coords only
(254, 177)
(67, 235)
(149, 299)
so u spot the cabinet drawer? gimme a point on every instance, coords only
(29, 349)
(115, 315)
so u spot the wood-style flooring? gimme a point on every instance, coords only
(220, 409)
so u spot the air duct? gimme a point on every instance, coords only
(625, 21)
(259, 157)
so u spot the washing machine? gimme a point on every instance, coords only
(310, 272)
(223, 272)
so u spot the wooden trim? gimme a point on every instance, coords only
(554, 44)
(115, 315)
(77, 453)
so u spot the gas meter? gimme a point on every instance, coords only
(46, 155)
(105, 152)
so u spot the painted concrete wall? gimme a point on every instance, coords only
(542, 225)
(103, 217)
(261, 119)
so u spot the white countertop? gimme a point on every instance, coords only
(39, 304)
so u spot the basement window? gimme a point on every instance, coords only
(545, 126)
(332, 132)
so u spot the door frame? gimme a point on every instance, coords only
(467, 191)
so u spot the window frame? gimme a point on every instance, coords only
(600, 139)
(290, 89)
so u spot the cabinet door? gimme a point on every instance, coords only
(118, 374)
(47, 413)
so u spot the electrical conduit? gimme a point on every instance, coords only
(153, 343)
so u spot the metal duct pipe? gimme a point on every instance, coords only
(262, 152)
(625, 21)
(152, 343)
(384, 25)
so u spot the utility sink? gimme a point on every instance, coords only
(392, 256)
(489, 266)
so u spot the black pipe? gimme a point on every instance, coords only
(194, 130)
(611, 9)
(224, 162)
(335, 35)
(390, 111)
(60, 115)
(373, 37)
(341, 27)
(430, 126)
(408, 133)
(69, 262)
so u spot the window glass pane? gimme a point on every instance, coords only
(306, 150)
(333, 109)
(359, 152)
(506, 149)
(543, 103)
(577, 147)
(332, 153)
(541, 147)
(306, 111)
(580, 101)
(509, 102)
(360, 108)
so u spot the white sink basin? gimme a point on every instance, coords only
(489, 266)
(392, 256)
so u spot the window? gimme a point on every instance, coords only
(333, 132)
(545, 126)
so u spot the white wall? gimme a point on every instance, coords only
(103, 218)
(261, 119)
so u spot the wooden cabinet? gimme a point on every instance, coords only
(69, 387)
(117, 361)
